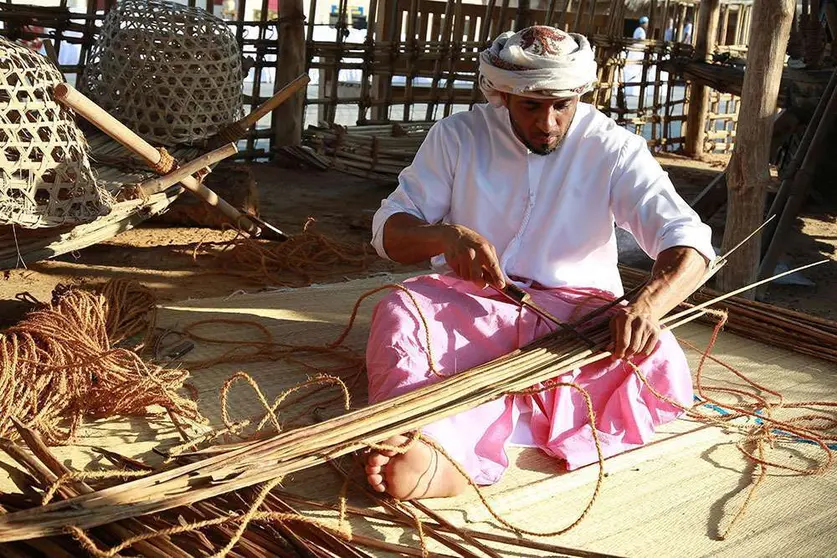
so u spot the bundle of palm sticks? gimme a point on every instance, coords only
(370, 151)
(765, 323)
(252, 522)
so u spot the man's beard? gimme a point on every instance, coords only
(544, 148)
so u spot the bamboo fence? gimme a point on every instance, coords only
(419, 59)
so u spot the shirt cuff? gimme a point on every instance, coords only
(697, 236)
(387, 210)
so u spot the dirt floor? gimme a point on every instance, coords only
(173, 260)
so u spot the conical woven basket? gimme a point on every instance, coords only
(169, 72)
(45, 175)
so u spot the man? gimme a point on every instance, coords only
(633, 72)
(527, 189)
(641, 32)
(687, 32)
(669, 32)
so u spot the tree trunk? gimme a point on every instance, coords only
(289, 65)
(748, 171)
(707, 31)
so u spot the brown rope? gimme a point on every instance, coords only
(591, 415)
(761, 435)
(60, 364)
(166, 164)
(229, 134)
(296, 262)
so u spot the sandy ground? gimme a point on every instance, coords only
(164, 258)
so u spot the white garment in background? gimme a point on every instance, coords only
(551, 218)
(633, 72)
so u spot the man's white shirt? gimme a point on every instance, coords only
(551, 218)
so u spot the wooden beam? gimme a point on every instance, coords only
(524, 15)
(831, 18)
(707, 31)
(797, 186)
(748, 170)
(287, 119)
(681, 24)
(722, 33)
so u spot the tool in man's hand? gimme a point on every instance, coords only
(522, 298)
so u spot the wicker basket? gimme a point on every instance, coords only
(169, 72)
(45, 175)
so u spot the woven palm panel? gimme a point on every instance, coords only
(45, 174)
(169, 72)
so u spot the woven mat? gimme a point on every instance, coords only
(670, 498)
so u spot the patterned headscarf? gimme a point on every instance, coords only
(539, 61)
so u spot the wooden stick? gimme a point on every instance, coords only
(396, 511)
(343, 548)
(35, 467)
(495, 537)
(397, 548)
(50, 52)
(160, 548)
(789, 173)
(467, 537)
(155, 185)
(69, 96)
(236, 130)
(119, 459)
(271, 104)
(307, 446)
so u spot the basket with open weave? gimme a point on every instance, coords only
(169, 72)
(45, 174)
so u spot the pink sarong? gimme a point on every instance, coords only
(469, 326)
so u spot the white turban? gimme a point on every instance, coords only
(539, 61)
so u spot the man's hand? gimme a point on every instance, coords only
(634, 331)
(409, 240)
(472, 257)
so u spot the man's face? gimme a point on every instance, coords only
(540, 124)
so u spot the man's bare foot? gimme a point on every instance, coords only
(419, 473)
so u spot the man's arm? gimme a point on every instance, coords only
(409, 240)
(635, 329)
(644, 202)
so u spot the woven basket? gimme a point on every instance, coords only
(169, 72)
(45, 175)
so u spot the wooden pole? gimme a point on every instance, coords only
(524, 15)
(748, 171)
(798, 191)
(237, 130)
(831, 19)
(722, 33)
(69, 96)
(707, 30)
(681, 24)
(748, 20)
(290, 63)
(200, 165)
